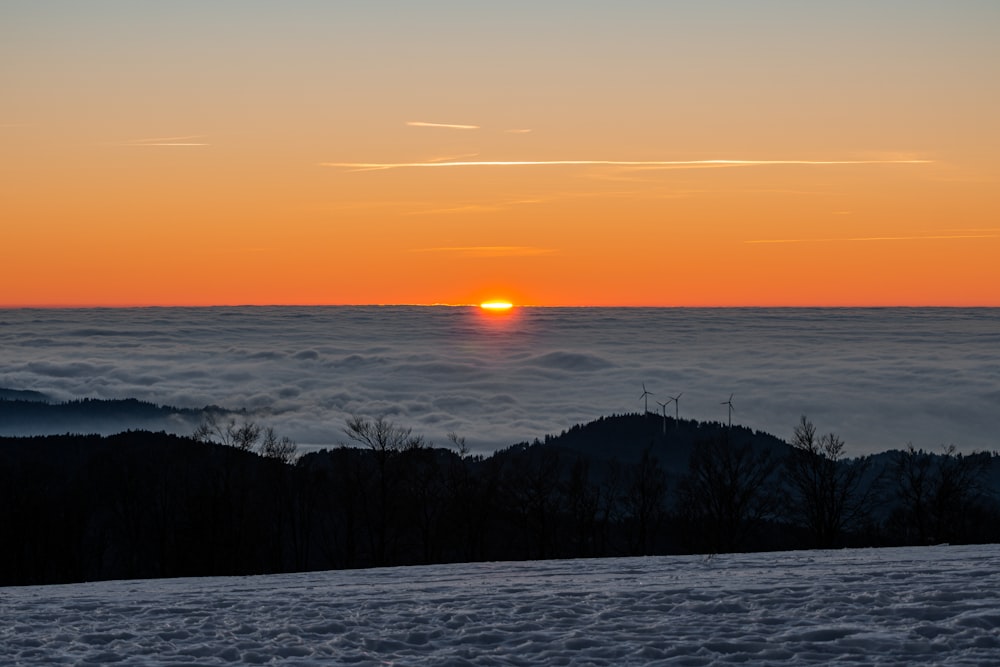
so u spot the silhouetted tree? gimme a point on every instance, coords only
(609, 510)
(937, 493)
(583, 498)
(473, 487)
(425, 500)
(281, 449)
(386, 441)
(243, 436)
(830, 493)
(533, 495)
(643, 502)
(726, 493)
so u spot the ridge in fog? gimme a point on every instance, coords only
(879, 378)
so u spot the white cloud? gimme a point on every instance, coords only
(447, 126)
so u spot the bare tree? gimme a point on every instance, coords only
(281, 449)
(831, 493)
(532, 486)
(582, 506)
(243, 436)
(936, 493)
(247, 436)
(387, 442)
(643, 502)
(381, 436)
(726, 493)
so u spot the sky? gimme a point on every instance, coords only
(664, 153)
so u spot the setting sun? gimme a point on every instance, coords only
(496, 306)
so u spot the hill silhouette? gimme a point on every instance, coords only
(23, 395)
(145, 504)
(625, 438)
(31, 413)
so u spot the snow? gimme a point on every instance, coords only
(902, 606)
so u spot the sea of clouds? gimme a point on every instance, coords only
(879, 378)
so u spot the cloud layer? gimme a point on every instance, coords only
(879, 378)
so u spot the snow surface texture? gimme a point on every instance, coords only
(931, 605)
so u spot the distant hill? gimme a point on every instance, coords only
(33, 416)
(623, 438)
(23, 395)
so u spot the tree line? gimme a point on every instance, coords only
(236, 499)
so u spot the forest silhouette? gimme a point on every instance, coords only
(235, 499)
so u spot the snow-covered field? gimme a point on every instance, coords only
(935, 605)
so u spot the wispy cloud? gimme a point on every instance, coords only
(168, 141)
(518, 130)
(448, 126)
(452, 158)
(490, 250)
(927, 237)
(652, 164)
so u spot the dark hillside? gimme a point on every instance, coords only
(624, 438)
(23, 395)
(31, 416)
(142, 504)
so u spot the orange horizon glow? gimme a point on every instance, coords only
(606, 161)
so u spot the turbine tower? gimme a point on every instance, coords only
(645, 397)
(730, 404)
(664, 406)
(677, 409)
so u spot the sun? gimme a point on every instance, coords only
(496, 306)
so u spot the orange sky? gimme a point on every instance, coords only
(197, 155)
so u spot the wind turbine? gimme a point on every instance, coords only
(645, 396)
(677, 408)
(730, 404)
(664, 406)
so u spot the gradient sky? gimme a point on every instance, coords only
(552, 153)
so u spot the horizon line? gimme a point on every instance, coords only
(514, 305)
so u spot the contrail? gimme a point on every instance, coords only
(451, 126)
(610, 163)
(937, 237)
